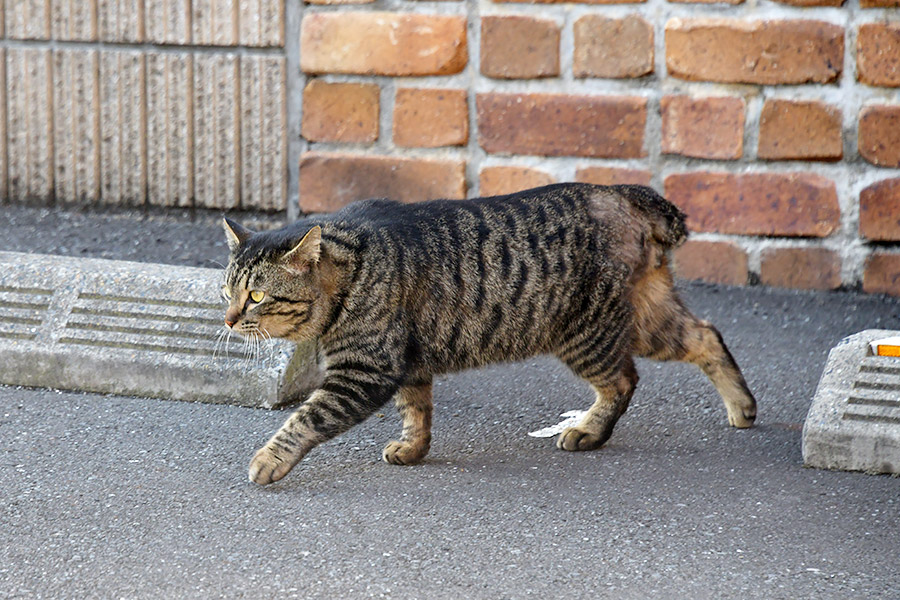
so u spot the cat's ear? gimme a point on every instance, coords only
(235, 233)
(307, 251)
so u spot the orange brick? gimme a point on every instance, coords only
(340, 112)
(801, 268)
(879, 3)
(612, 176)
(878, 54)
(703, 127)
(382, 43)
(763, 52)
(715, 262)
(789, 204)
(612, 47)
(882, 274)
(879, 135)
(562, 125)
(790, 130)
(879, 211)
(430, 118)
(496, 181)
(330, 181)
(519, 47)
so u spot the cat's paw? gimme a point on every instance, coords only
(576, 438)
(742, 418)
(268, 466)
(403, 453)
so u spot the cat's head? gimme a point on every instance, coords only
(274, 283)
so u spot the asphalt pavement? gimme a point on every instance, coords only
(114, 497)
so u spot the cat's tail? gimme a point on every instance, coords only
(666, 220)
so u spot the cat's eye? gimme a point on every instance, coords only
(226, 292)
(257, 296)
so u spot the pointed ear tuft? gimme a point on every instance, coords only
(307, 251)
(236, 234)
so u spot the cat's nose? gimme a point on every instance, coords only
(229, 323)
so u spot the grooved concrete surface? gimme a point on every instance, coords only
(114, 497)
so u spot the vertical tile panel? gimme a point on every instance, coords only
(74, 20)
(4, 171)
(77, 127)
(264, 133)
(123, 157)
(120, 20)
(216, 131)
(215, 22)
(30, 124)
(167, 21)
(28, 19)
(262, 22)
(170, 167)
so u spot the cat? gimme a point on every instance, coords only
(398, 293)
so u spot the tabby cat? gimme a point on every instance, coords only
(398, 293)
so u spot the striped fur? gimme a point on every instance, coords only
(398, 293)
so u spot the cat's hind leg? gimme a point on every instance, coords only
(613, 393)
(415, 407)
(666, 330)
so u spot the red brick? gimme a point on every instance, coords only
(430, 118)
(340, 112)
(707, 1)
(882, 274)
(809, 3)
(330, 181)
(562, 125)
(879, 135)
(801, 268)
(612, 175)
(790, 204)
(496, 181)
(571, 1)
(764, 52)
(614, 48)
(879, 211)
(790, 130)
(715, 262)
(878, 54)
(519, 47)
(382, 43)
(703, 127)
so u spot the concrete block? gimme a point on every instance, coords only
(170, 150)
(29, 124)
(123, 127)
(73, 20)
(76, 131)
(135, 329)
(168, 21)
(27, 19)
(214, 22)
(263, 133)
(261, 23)
(216, 131)
(854, 420)
(120, 20)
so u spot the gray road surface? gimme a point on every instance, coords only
(111, 497)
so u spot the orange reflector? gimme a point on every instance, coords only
(886, 347)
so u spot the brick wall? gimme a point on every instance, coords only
(774, 124)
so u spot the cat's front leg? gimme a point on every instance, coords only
(415, 406)
(345, 399)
